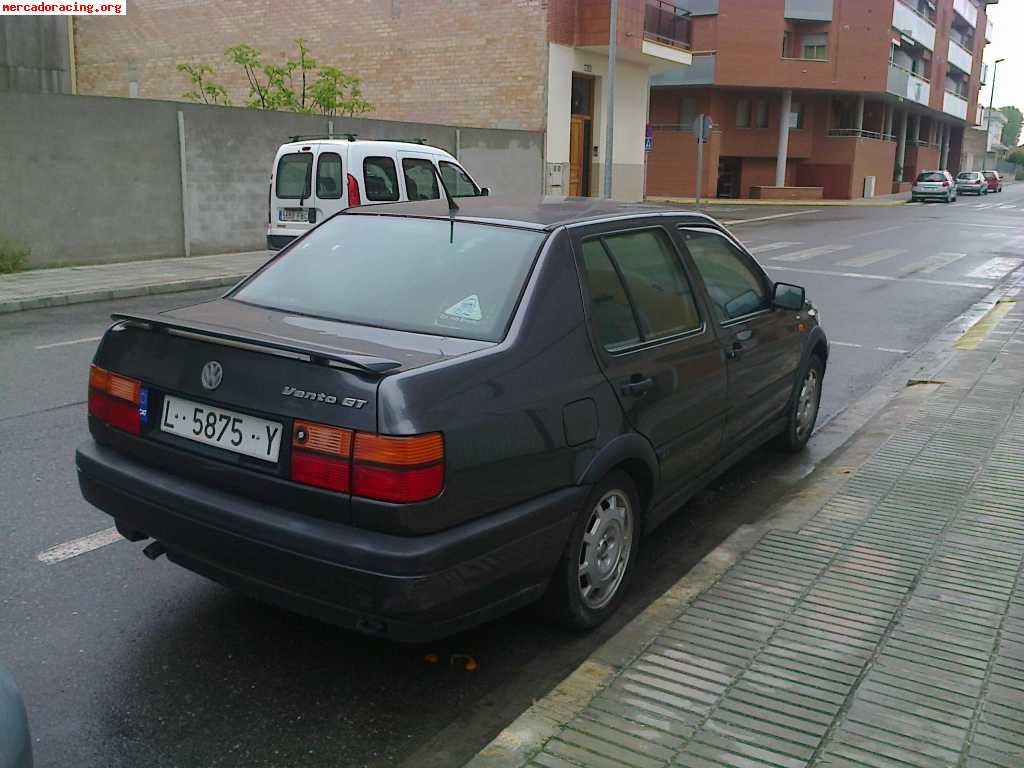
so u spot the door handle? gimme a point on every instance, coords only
(637, 386)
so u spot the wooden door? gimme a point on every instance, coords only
(577, 156)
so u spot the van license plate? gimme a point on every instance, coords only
(293, 214)
(235, 432)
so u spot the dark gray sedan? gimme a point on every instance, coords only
(414, 419)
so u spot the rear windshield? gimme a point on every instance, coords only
(402, 273)
(990, 175)
(932, 176)
(294, 173)
(971, 175)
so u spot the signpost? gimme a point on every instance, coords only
(702, 132)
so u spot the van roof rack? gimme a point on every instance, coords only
(349, 136)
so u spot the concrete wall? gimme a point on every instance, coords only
(93, 179)
(35, 54)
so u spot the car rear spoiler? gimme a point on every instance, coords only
(367, 363)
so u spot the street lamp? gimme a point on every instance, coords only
(988, 122)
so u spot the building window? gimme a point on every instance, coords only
(796, 115)
(787, 37)
(743, 113)
(814, 46)
(761, 113)
(688, 111)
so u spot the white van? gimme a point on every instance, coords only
(315, 177)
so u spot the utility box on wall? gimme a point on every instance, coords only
(869, 186)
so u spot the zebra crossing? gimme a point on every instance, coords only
(797, 256)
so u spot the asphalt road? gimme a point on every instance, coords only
(126, 662)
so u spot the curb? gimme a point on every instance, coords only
(774, 203)
(83, 297)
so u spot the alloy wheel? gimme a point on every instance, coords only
(605, 550)
(807, 404)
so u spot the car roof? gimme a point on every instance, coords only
(539, 213)
(379, 144)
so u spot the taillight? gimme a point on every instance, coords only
(398, 469)
(116, 400)
(321, 455)
(945, 184)
(353, 192)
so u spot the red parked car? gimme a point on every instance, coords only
(995, 181)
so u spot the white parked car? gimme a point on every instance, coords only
(315, 177)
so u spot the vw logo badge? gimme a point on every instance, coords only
(212, 374)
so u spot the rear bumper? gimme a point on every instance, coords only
(931, 194)
(404, 588)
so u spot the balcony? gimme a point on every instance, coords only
(700, 72)
(955, 105)
(960, 57)
(913, 25)
(968, 11)
(904, 83)
(809, 10)
(665, 23)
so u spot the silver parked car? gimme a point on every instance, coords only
(934, 185)
(973, 182)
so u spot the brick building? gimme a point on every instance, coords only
(820, 94)
(529, 64)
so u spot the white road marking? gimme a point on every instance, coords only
(69, 343)
(878, 231)
(987, 226)
(915, 203)
(886, 278)
(861, 346)
(872, 258)
(77, 547)
(771, 247)
(1007, 207)
(993, 269)
(932, 263)
(810, 253)
(775, 216)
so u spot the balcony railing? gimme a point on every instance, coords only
(968, 11)
(960, 57)
(845, 133)
(954, 104)
(667, 23)
(902, 82)
(913, 25)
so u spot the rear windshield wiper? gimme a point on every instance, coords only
(367, 363)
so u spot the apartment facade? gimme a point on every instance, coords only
(537, 65)
(830, 98)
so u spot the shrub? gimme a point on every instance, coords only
(13, 255)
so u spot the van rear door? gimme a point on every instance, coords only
(330, 193)
(291, 195)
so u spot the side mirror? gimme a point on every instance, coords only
(786, 296)
(485, 191)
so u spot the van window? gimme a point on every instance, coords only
(407, 274)
(328, 176)
(380, 179)
(457, 180)
(420, 181)
(294, 172)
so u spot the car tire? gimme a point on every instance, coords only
(605, 539)
(803, 407)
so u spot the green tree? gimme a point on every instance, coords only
(203, 89)
(1016, 156)
(1011, 131)
(336, 93)
(248, 58)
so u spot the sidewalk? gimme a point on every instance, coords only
(876, 618)
(879, 201)
(56, 287)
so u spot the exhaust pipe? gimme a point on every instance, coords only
(154, 550)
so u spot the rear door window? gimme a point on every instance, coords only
(420, 179)
(402, 273)
(734, 283)
(328, 176)
(380, 179)
(457, 180)
(638, 290)
(294, 175)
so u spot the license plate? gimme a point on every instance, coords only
(293, 214)
(235, 432)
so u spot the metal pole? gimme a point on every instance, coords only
(780, 159)
(988, 122)
(609, 110)
(700, 165)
